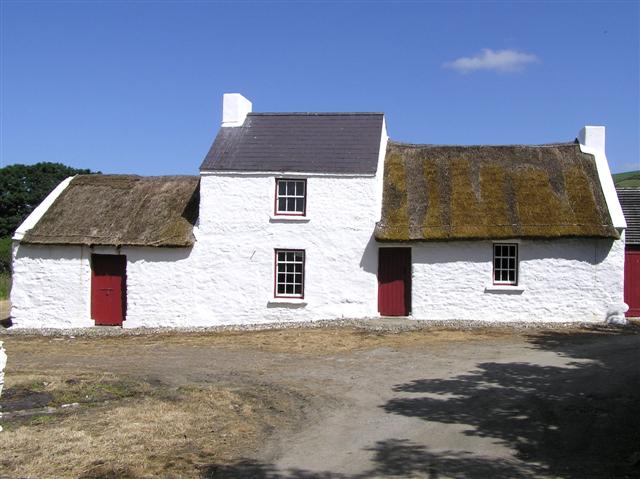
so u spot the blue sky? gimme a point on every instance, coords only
(136, 87)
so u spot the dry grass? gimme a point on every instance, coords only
(294, 341)
(142, 437)
(5, 306)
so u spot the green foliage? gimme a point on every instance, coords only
(5, 255)
(5, 285)
(628, 179)
(23, 187)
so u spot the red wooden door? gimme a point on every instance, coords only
(108, 289)
(394, 281)
(632, 282)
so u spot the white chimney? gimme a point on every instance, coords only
(592, 137)
(235, 108)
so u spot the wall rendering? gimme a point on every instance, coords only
(559, 280)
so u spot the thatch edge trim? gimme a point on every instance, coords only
(39, 211)
(607, 184)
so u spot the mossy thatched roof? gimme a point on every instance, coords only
(121, 210)
(491, 192)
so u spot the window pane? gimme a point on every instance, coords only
(300, 189)
(281, 289)
(297, 289)
(512, 263)
(290, 255)
(289, 289)
(298, 255)
(281, 255)
(512, 276)
(290, 278)
(291, 188)
(281, 277)
(298, 207)
(298, 268)
(291, 204)
(282, 187)
(282, 204)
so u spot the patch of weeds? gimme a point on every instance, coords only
(82, 391)
(41, 420)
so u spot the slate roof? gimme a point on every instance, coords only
(630, 202)
(299, 142)
(122, 210)
(491, 192)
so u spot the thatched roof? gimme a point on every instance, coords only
(121, 210)
(491, 192)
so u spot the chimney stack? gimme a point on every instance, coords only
(592, 137)
(235, 108)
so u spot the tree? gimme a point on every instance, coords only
(23, 187)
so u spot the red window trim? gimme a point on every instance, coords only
(493, 265)
(275, 271)
(275, 198)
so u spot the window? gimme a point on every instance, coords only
(289, 273)
(505, 263)
(291, 197)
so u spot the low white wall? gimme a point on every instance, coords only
(562, 280)
(51, 286)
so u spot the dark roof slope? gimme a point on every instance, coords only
(299, 142)
(121, 210)
(491, 192)
(630, 202)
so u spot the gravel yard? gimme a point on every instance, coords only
(346, 400)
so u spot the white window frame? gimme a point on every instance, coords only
(499, 269)
(298, 276)
(296, 196)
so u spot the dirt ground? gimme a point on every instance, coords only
(324, 403)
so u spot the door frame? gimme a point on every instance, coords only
(121, 261)
(408, 280)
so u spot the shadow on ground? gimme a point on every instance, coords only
(578, 421)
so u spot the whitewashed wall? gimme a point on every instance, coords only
(51, 286)
(238, 234)
(559, 280)
(227, 278)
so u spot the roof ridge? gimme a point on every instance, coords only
(435, 145)
(317, 113)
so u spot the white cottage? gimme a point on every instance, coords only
(307, 216)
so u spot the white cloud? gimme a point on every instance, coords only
(500, 61)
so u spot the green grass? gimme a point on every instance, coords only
(628, 179)
(5, 285)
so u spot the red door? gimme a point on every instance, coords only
(108, 289)
(632, 281)
(394, 281)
